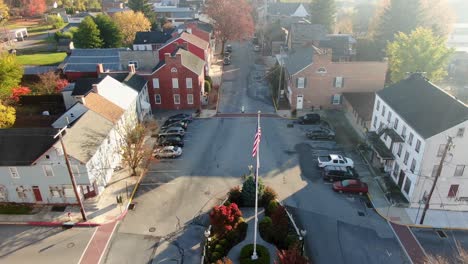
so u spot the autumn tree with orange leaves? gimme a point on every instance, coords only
(232, 19)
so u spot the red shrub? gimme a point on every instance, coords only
(224, 218)
(18, 91)
(291, 256)
(60, 84)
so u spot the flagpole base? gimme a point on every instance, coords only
(254, 256)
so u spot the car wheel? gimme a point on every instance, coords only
(340, 191)
(158, 157)
(330, 137)
(173, 156)
(331, 180)
(360, 193)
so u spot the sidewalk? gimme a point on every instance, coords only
(249, 216)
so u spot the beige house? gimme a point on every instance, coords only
(314, 81)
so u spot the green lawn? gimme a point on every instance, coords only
(43, 59)
(15, 209)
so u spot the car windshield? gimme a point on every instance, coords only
(346, 183)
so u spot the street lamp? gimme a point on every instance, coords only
(302, 238)
(207, 234)
(250, 169)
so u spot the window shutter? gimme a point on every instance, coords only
(305, 82)
(334, 82)
(297, 82)
(332, 99)
(342, 82)
(341, 98)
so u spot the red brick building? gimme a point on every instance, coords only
(177, 82)
(191, 43)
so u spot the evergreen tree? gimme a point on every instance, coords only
(323, 12)
(88, 35)
(399, 16)
(111, 35)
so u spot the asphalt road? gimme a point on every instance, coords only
(23, 244)
(173, 199)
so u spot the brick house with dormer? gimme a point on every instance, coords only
(177, 82)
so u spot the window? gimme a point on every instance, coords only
(173, 69)
(55, 191)
(47, 156)
(380, 126)
(459, 170)
(48, 170)
(336, 99)
(157, 99)
(189, 98)
(383, 111)
(410, 139)
(14, 172)
(378, 105)
(188, 83)
(300, 82)
(375, 121)
(175, 83)
(396, 170)
(453, 190)
(461, 132)
(440, 152)
(339, 82)
(395, 126)
(176, 99)
(418, 145)
(68, 191)
(389, 117)
(434, 170)
(400, 148)
(407, 186)
(403, 132)
(405, 160)
(321, 70)
(155, 83)
(134, 63)
(413, 165)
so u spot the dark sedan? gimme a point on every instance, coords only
(180, 117)
(171, 141)
(320, 133)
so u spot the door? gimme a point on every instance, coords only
(299, 101)
(453, 190)
(37, 194)
(401, 179)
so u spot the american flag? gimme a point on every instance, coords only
(256, 143)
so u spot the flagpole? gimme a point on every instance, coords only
(254, 254)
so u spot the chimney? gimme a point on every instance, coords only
(99, 68)
(131, 68)
(95, 88)
(167, 57)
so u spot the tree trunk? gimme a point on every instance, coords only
(134, 171)
(223, 42)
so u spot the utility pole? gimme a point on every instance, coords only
(70, 172)
(439, 170)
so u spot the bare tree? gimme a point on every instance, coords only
(461, 257)
(134, 150)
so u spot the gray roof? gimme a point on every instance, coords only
(152, 37)
(166, 9)
(22, 146)
(86, 60)
(304, 32)
(135, 81)
(85, 137)
(362, 103)
(424, 106)
(284, 9)
(298, 59)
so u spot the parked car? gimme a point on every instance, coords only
(256, 48)
(309, 119)
(181, 117)
(171, 141)
(335, 160)
(325, 124)
(172, 131)
(180, 124)
(226, 61)
(320, 133)
(350, 186)
(227, 55)
(169, 123)
(229, 48)
(167, 152)
(336, 173)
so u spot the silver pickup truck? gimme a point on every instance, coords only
(335, 160)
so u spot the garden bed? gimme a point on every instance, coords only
(16, 209)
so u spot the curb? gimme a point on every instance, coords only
(51, 224)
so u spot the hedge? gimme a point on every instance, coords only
(247, 251)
